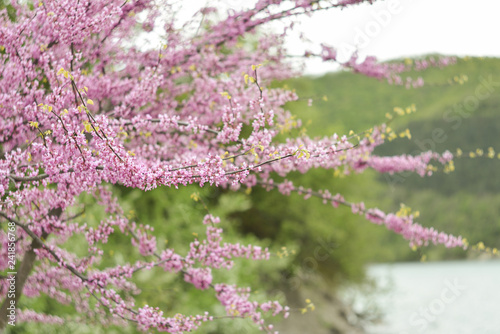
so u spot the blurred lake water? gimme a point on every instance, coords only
(435, 298)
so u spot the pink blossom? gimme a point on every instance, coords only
(83, 108)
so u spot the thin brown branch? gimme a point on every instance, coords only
(42, 176)
(41, 244)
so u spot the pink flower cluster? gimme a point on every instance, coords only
(237, 304)
(84, 107)
(403, 225)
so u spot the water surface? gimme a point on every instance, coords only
(437, 298)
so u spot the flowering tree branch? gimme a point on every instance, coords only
(84, 108)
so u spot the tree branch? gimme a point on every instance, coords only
(26, 267)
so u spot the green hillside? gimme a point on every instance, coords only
(449, 115)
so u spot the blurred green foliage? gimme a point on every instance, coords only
(464, 202)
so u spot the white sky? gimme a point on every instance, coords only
(412, 28)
